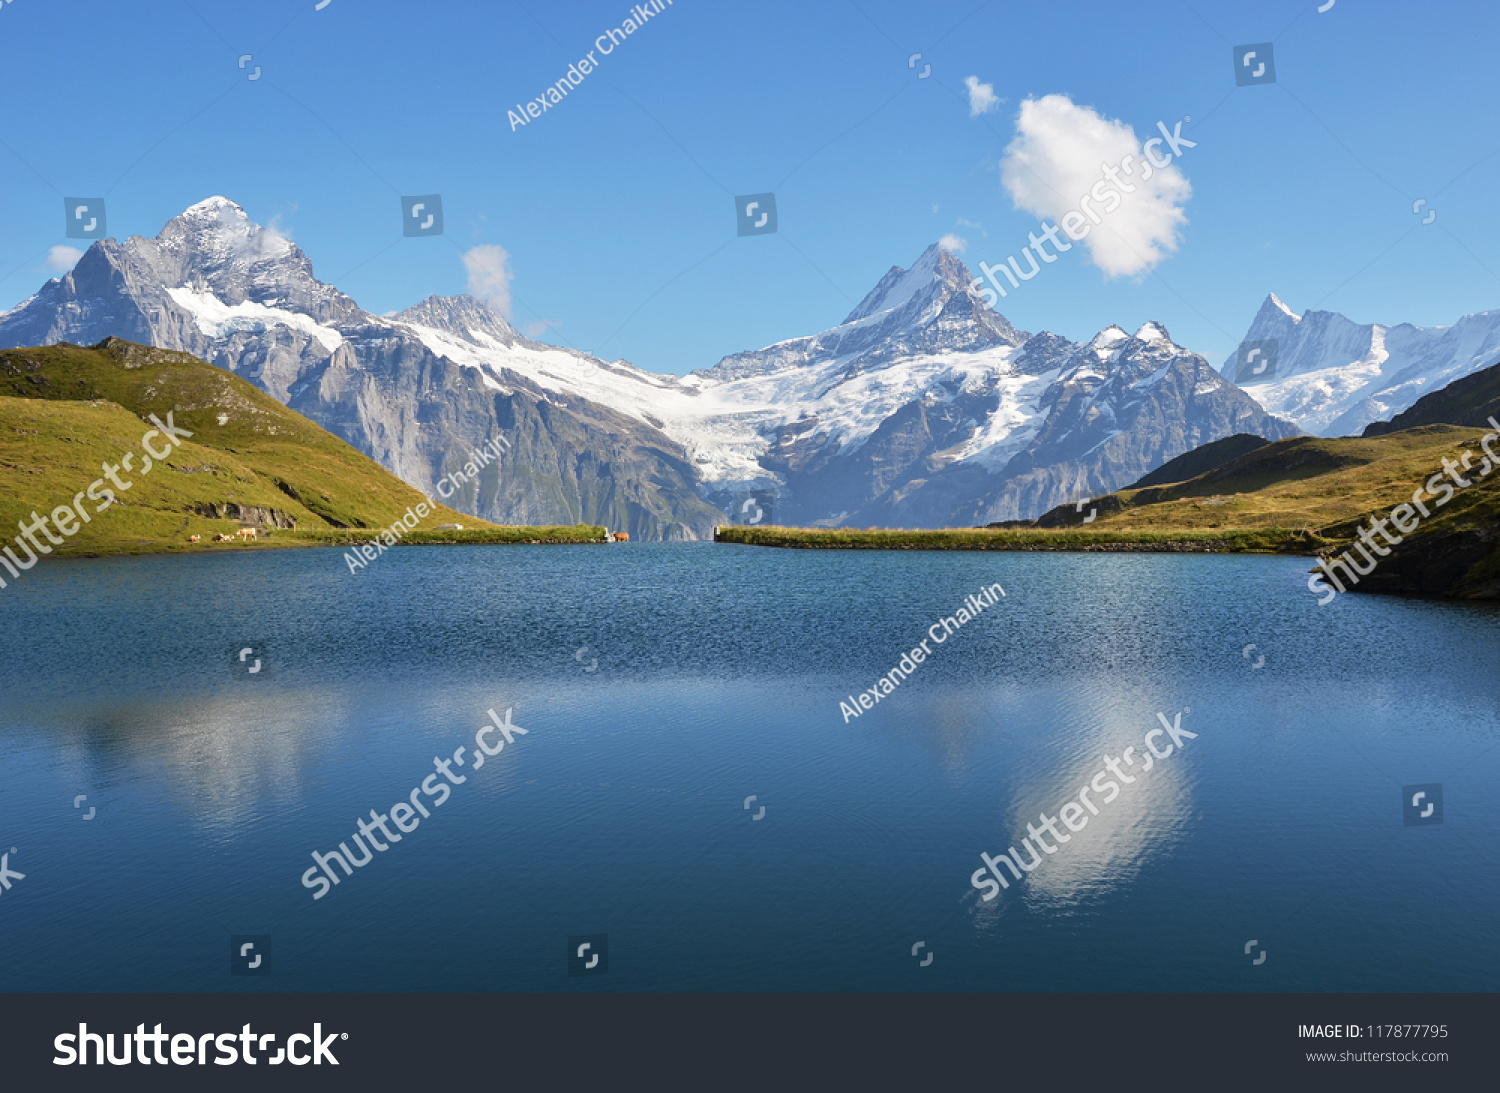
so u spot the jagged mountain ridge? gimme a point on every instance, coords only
(1335, 376)
(923, 406)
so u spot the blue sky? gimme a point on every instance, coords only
(615, 207)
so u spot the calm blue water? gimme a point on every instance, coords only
(719, 675)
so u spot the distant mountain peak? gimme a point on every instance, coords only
(1335, 376)
(213, 205)
(217, 233)
(1108, 338)
(928, 308)
(932, 272)
(1274, 302)
(462, 316)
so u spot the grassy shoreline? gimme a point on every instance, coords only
(344, 539)
(1082, 540)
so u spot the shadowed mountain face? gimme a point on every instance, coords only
(922, 408)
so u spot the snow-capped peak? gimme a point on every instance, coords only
(217, 233)
(213, 206)
(1273, 300)
(1109, 337)
(928, 274)
(464, 317)
(1153, 332)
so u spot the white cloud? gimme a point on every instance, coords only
(540, 327)
(1057, 157)
(973, 225)
(489, 276)
(981, 97)
(953, 244)
(60, 259)
(274, 238)
(254, 242)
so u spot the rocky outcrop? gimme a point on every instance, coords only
(246, 514)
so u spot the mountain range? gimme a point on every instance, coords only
(922, 408)
(1333, 376)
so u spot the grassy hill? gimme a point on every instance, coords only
(1324, 484)
(65, 410)
(1202, 459)
(1307, 495)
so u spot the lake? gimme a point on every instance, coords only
(660, 687)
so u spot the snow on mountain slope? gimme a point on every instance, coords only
(217, 319)
(1334, 376)
(845, 377)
